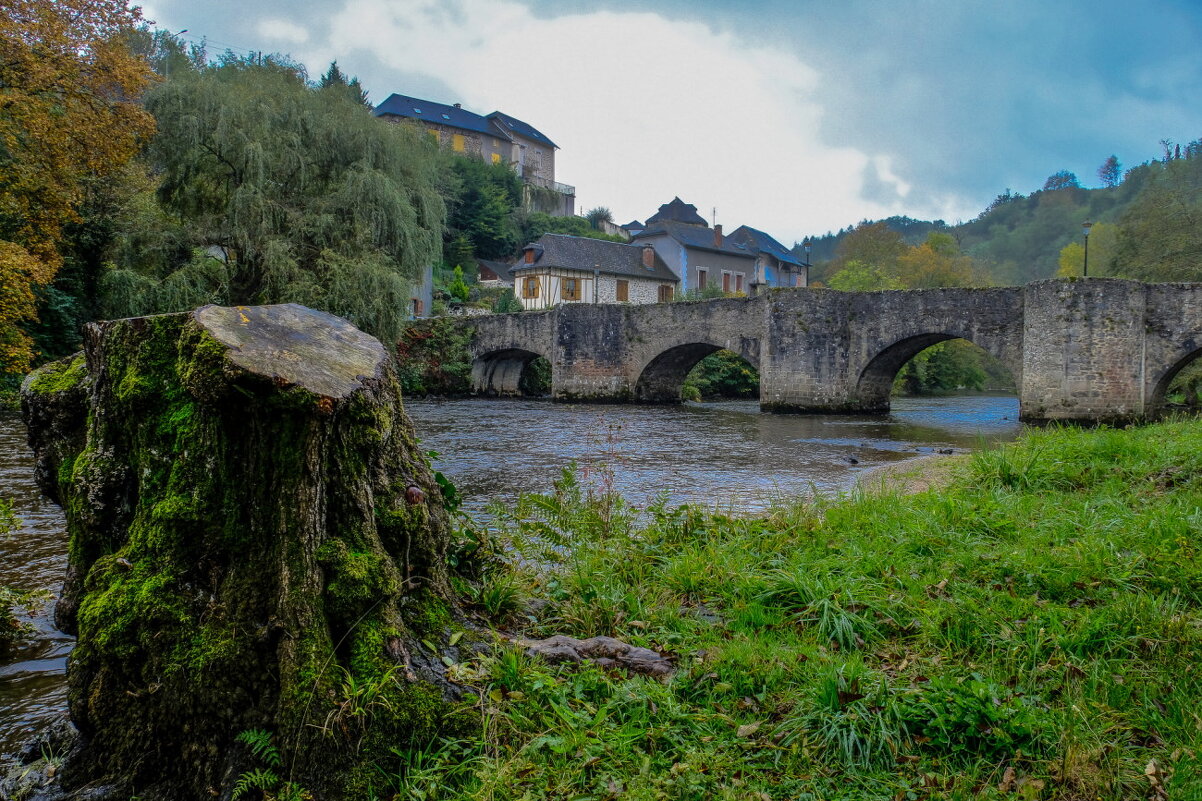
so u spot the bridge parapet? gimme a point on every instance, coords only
(1091, 349)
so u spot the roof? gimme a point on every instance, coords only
(498, 268)
(582, 253)
(692, 236)
(677, 211)
(437, 113)
(759, 241)
(512, 125)
(633, 224)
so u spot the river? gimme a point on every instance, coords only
(724, 454)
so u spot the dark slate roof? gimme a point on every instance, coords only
(692, 236)
(560, 251)
(759, 241)
(514, 125)
(438, 113)
(497, 268)
(632, 224)
(677, 211)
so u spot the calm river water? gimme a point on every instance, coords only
(725, 454)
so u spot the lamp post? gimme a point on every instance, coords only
(1085, 226)
(807, 246)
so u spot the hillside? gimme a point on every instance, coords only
(1020, 238)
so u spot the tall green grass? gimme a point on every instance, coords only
(1032, 630)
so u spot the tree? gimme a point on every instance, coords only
(1111, 172)
(458, 288)
(335, 79)
(483, 202)
(936, 262)
(858, 276)
(283, 193)
(1061, 180)
(1160, 233)
(66, 114)
(1103, 242)
(874, 245)
(598, 216)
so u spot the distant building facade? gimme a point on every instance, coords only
(775, 267)
(560, 269)
(496, 138)
(700, 256)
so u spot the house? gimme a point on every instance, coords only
(493, 273)
(497, 138)
(776, 266)
(699, 255)
(574, 269)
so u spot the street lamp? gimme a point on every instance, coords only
(807, 246)
(1085, 226)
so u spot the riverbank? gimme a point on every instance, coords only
(1029, 630)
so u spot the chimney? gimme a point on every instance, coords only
(648, 257)
(717, 236)
(530, 255)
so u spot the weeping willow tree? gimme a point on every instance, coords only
(272, 191)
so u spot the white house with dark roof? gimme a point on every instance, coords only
(574, 269)
(497, 138)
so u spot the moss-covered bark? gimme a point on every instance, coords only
(255, 544)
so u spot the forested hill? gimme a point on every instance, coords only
(1147, 225)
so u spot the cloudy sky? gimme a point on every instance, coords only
(793, 116)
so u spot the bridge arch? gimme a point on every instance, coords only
(875, 384)
(1189, 353)
(499, 373)
(660, 379)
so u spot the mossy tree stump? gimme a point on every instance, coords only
(255, 544)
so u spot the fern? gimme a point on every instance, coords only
(259, 742)
(257, 779)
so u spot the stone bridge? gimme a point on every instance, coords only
(1086, 349)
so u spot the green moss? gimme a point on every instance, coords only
(58, 376)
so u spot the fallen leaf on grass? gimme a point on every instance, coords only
(749, 729)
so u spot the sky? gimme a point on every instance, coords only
(795, 117)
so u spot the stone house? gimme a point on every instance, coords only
(573, 269)
(699, 255)
(496, 138)
(775, 267)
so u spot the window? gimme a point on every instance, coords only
(623, 291)
(799, 280)
(665, 293)
(457, 143)
(496, 158)
(530, 286)
(701, 279)
(726, 282)
(417, 306)
(739, 282)
(569, 289)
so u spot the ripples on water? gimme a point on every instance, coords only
(34, 557)
(726, 454)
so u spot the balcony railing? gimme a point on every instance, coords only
(563, 189)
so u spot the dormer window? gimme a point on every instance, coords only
(417, 111)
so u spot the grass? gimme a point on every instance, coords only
(1030, 630)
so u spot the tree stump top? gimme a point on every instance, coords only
(296, 345)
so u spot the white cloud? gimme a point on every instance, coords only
(642, 107)
(282, 30)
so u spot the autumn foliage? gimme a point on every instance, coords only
(67, 82)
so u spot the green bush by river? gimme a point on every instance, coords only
(1031, 630)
